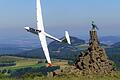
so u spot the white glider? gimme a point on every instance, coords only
(42, 34)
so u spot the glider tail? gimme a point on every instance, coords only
(67, 38)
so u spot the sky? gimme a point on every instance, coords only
(60, 15)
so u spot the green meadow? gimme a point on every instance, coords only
(24, 65)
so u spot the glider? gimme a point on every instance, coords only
(42, 34)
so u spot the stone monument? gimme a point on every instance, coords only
(94, 60)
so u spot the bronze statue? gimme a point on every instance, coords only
(94, 27)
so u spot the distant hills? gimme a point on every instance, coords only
(57, 50)
(116, 45)
(13, 48)
(57, 45)
(9, 49)
(109, 40)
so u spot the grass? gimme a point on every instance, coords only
(21, 62)
(70, 77)
(27, 62)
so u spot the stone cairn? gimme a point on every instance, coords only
(94, 60)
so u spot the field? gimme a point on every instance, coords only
(20, 62)
(24, 65)
(29, 62)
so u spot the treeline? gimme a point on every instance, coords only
(7, 63)
(28, 71)
(116, 59)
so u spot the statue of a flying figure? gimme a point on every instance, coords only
(94, 27)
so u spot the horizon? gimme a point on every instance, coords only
(58, 16)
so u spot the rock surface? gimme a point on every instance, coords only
(94, 60)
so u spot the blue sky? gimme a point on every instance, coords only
(60, 15)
